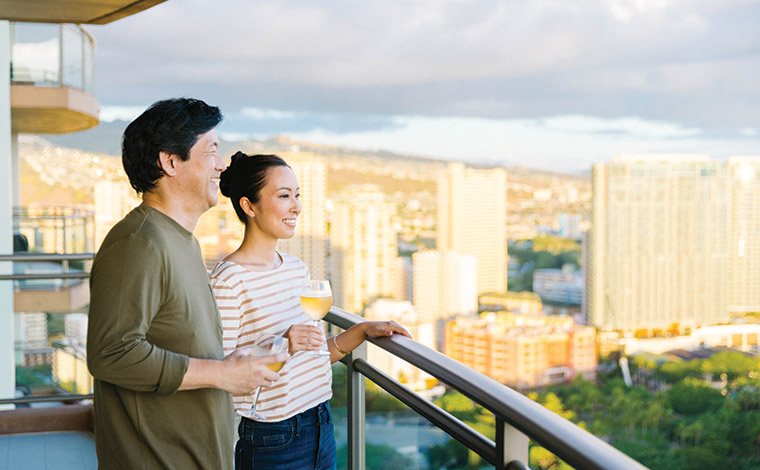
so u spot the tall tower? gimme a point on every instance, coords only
(658, 244)
(472, 213)
(444, 284)
(310, 242)
(744, 238)
(363, 247)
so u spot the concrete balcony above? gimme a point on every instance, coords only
(52, 110)
(72, 11)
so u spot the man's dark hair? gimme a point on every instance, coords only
(171, 126)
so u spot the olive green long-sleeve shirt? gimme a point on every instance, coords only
(151, 309)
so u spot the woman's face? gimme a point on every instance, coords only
(279, 204)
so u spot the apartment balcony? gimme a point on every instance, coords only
(49, 269)
(51, 79)
(31, 436)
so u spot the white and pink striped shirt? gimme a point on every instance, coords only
(256, 306)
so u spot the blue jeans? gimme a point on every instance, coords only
(305, 441)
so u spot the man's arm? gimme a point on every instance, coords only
(240, 372)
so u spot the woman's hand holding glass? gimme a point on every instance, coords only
(305, 338)
(316, 300)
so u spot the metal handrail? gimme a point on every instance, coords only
(46, 257)
(574, 445)
(49, 257)
(64, 397)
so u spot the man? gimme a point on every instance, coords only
(154, 343)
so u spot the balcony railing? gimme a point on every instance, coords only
(518, 419)
(54, 229)
(52, 55)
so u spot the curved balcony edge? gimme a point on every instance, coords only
(574, 445)
(52, 110)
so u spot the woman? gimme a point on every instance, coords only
(258, 292)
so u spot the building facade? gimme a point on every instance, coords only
(658, 251)
(472, 220)
(363, 247)
(311, 240)
(444, 284)
(744, 238)
(563, 286)
(523, 351)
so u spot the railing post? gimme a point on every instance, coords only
(356, 410)
(511, 445)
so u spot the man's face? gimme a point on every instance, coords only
(200, 173)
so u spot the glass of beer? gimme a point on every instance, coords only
(279, 345)
(316, 300)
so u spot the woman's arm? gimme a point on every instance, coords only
(344, 343)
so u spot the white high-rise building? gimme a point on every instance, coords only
(658, 247)
(472, 218)
(363, 247)
(75, 328)
(403, 278)
(311, 240)
(423, 332)
(31, 330)
(744, 239)
(444, 284)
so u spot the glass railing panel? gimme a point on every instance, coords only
(73, 57)
(35, 53)
(52, 55)
(396, 436)
(87, 62)
(54, 229)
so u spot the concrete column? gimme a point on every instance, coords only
(7, 362)
(16, 172)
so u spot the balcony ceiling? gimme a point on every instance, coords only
(72, 11)
(52, 110)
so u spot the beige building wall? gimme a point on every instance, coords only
(658, 244)
(70, 369)
(744, 239)
(113, 200)
(444, 284)
(311, 240)
(472, 211)
(363, 247)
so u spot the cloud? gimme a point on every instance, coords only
(689, 67)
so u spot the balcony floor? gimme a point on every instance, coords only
(47, 451)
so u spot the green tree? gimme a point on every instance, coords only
(673, 372)
(732, 363)
(692, 396)
(377, 457)
(451, 455)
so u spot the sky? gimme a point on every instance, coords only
(546, 84)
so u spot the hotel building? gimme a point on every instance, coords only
(472, 213)
(523, 351)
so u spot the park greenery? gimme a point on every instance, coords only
(684, 415)
(698, 414)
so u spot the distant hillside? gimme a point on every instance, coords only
(105, 139)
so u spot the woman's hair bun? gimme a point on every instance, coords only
(225, 179)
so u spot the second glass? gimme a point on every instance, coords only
(316, 300)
